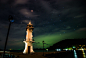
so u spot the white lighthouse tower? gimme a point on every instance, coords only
(28, 42)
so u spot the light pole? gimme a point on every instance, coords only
(11, 21)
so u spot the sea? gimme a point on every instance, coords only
(73, 54)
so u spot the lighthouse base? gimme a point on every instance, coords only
(28, 52)
(28, 48)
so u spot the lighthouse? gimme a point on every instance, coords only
(28, 41)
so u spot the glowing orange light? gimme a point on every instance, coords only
(79, 45)
(31, 10)
(30, 22)
(83, 45)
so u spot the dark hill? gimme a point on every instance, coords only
(68, 43)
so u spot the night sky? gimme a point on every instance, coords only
(53, 21)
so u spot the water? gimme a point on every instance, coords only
(77, 54)
(80, 53)
(73, 54)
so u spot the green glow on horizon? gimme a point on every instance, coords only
(53, 38)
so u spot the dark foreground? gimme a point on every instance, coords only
(56, 54)
(62, 54)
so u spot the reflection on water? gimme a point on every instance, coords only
(83, 53)
(79, 53)
(75, 54)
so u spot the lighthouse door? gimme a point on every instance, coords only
(28, 49)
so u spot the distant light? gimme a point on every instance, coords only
(31, 10)
(58, 49)
(70, 48)
(10, 49)
(74, 47)
(83, 45)
(66, 49)
(47, 50)
(11, 20)
(82, 49)
(79, 45)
